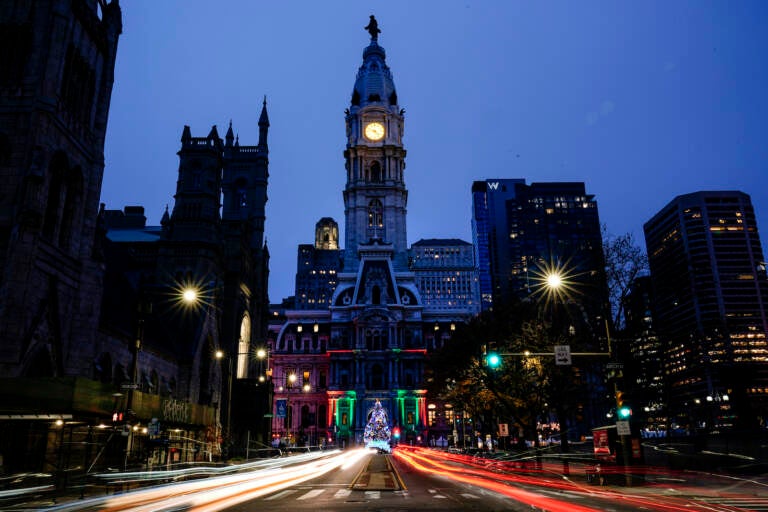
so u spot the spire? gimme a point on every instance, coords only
(230, 135)
(186, 135)
(214, 134)
(374, 84)
(166, 217)
(263, 124)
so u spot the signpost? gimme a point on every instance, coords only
(622, 428)
(562, 355)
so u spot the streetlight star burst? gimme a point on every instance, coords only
(190, 295)
(554, 282)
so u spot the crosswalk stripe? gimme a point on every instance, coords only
(342, 493)
(311, 494)
(281, 494)
(470, 496)
(373, 495)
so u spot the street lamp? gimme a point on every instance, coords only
(261, 355)
(228, 404)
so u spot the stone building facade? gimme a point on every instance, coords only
(55, 87)
(93, 335)
(332, 365)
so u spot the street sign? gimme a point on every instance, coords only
(562, 355)
(503, 429)
(622, 428)
(614, 366)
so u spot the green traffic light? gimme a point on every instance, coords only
(493, 360)
(625, 412)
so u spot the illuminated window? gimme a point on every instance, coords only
(375, 214)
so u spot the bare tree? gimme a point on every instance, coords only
(624, 262)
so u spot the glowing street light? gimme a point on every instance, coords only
(189, 295)
(554, 280)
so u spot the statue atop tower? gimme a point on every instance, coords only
(373, 29)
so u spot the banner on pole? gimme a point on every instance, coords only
(281, 408)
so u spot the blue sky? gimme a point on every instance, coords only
(642, 101)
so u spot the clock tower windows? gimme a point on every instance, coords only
(375, 214)
(374, 174)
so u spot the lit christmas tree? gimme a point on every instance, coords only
(377, 433)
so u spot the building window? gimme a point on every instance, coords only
(375, 214)
(376, 172)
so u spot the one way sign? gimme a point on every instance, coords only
(562, 355)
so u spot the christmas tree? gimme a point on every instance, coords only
(376, 434)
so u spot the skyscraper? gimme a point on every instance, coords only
(711, 293)
(317, 266)
(446, 275)
(521, 232)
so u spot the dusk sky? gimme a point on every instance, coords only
(641, 100)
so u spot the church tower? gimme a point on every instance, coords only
(375, 196)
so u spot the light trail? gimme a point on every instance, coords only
(477, 478)
(474, 473)
(217, 493)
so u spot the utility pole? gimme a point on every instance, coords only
(625, 439)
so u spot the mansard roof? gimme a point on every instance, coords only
(439, 241)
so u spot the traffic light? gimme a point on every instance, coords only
(493, 360)
(623, 410)
(396, 432)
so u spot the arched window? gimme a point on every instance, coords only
(240, 196)
(375, 214)
(243, 347)
(376, 172)
(305, 417)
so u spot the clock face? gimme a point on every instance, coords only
(374, 131)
